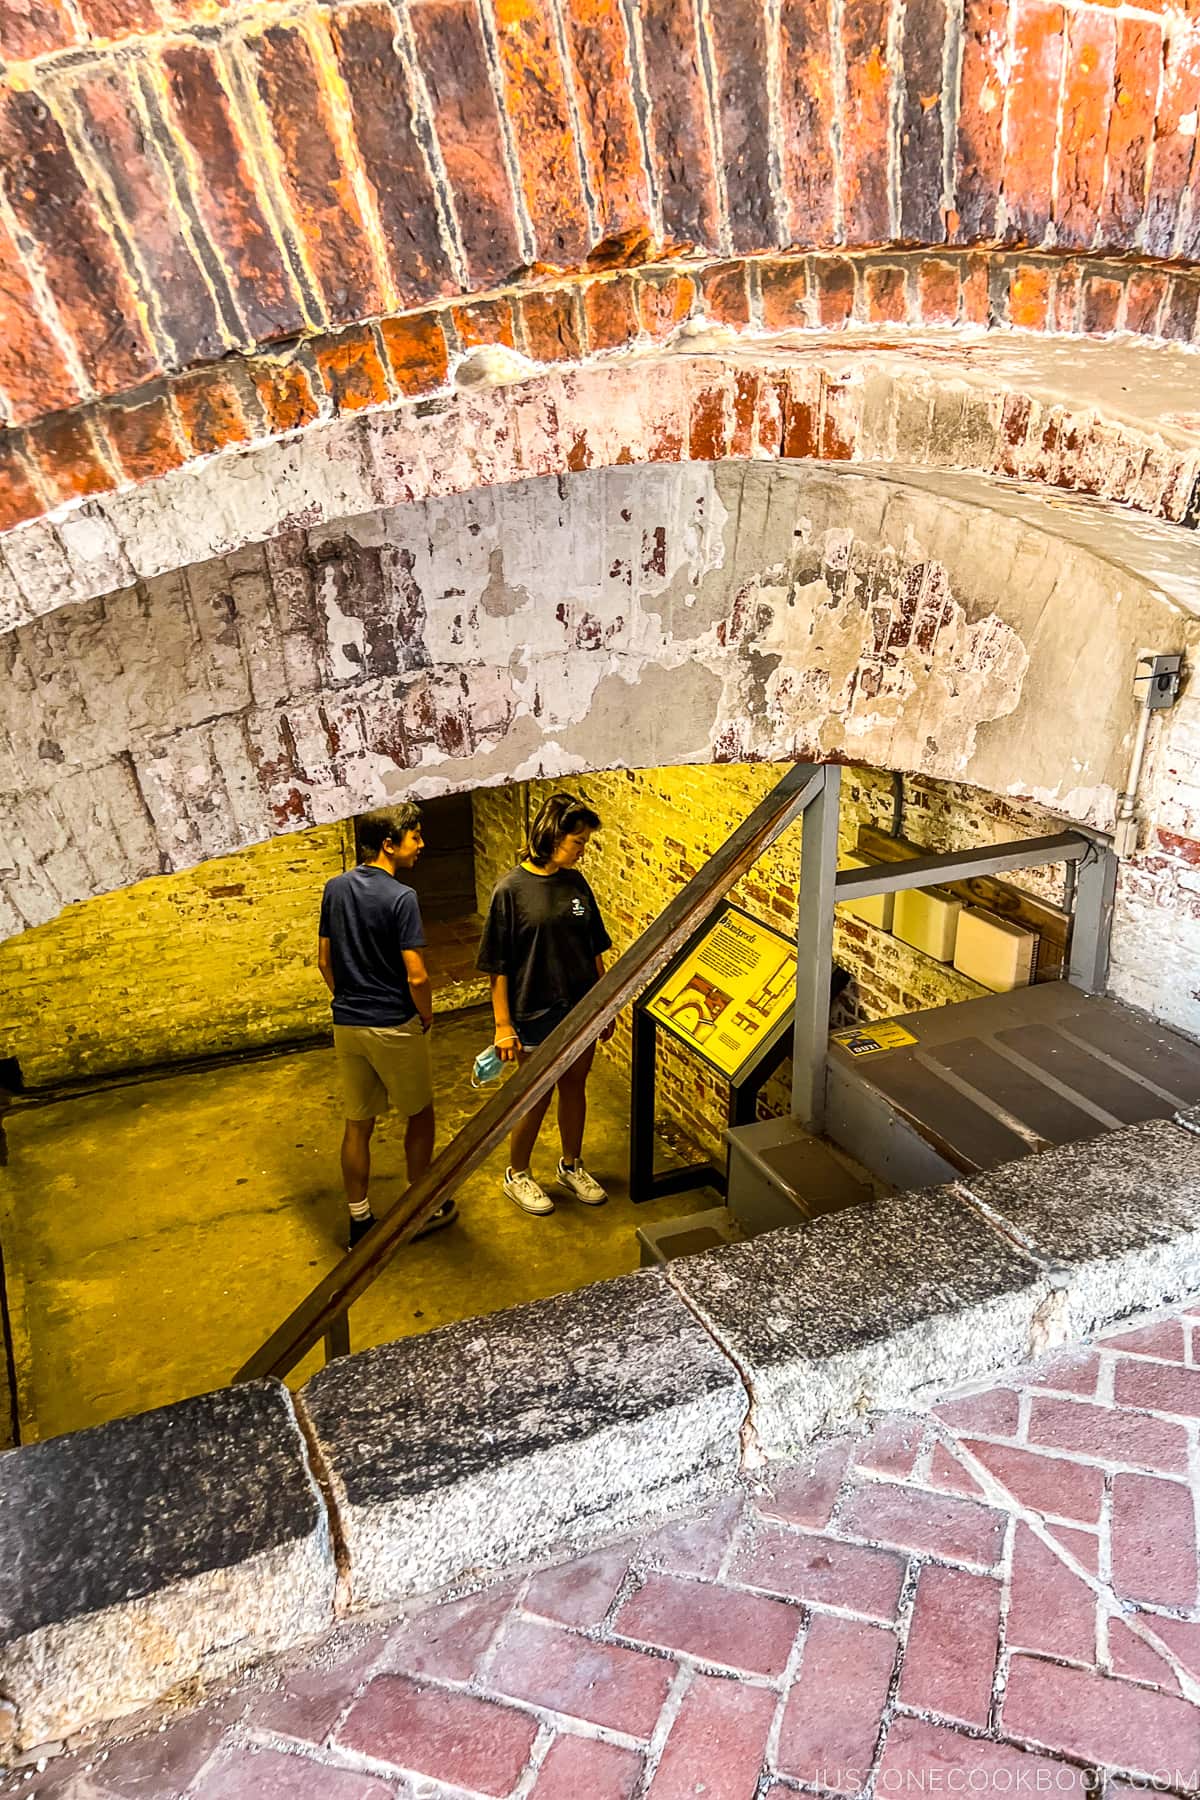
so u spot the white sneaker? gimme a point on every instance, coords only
(580, 1185)
(529, 1194)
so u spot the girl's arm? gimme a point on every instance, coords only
(506, 1040)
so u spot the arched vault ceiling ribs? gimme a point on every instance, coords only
(184, 179)
(946, 305)
(1109, 425)
(219, 222)
(615, 616)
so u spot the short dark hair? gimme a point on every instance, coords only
(557, 817)
(375, 828)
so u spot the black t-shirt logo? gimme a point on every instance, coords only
(578, 908)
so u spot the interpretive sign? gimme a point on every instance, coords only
(731, 987)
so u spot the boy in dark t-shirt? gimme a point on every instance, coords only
(369, 953)
(543, 946)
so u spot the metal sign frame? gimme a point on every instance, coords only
(744, 1088)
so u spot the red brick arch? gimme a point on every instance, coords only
(274, 212)
(104, 446)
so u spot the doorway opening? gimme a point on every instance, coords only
(155, 1231)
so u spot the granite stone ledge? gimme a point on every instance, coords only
(506, 1438)
(861, 1309)
(177, 1544)
(1189, 1118)
(1115, 1220)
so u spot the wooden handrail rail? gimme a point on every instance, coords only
(318, 1313)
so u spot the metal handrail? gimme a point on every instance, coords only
(962, 865)
(322, 1314)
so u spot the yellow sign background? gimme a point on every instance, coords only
(733, 986)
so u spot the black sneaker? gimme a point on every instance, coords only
(445, 1215)
(359, 1229)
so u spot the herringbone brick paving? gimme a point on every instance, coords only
(1001, 1594)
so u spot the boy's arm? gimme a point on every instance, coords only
(411, 933)
(419, 985)
(325, 961)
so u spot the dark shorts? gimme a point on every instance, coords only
(533, 1032)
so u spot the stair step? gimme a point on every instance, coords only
(696, 1232)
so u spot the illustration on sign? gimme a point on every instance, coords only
(731, 988)
(865, 1040)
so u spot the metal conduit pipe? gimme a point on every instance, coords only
(1162, 678)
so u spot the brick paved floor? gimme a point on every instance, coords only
(1001, 1595)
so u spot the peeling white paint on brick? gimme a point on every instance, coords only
(932, 403)
(617, 617)
(345, 637)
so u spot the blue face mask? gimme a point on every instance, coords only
(487, 1067)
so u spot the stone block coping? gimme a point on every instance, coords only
(177, 1545)
(136, 1555)
(503, 1438)
(858, 1309)
(1115, 1221)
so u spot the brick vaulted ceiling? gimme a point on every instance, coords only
(279, 282)
(620, 616)
(220, 223)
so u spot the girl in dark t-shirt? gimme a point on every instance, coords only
(543, 946)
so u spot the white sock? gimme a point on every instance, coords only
(360, 1209)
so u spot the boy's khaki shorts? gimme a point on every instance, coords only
(382, 1066)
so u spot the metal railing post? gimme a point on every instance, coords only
(337, 1338)
(1095, 894)
(814, 949)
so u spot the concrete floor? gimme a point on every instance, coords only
(156, 1233)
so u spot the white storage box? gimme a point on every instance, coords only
(927, 918)
(875, 909)
(994, 952)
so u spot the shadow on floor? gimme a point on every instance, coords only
(155, 1233)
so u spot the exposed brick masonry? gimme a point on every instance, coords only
(231, 945)
(519, 141)
(698, 408)
(145, 431)
(294, 684)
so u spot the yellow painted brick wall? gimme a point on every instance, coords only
(221, 957)
(660, 825)
(218, 958)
